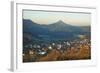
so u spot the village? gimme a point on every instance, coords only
(65, 50)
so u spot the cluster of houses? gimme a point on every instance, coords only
(44, 49)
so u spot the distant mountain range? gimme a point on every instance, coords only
(56, 31)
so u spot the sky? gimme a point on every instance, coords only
(49, 17)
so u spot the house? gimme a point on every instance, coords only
(59, 46)
(50, 48)
(31, 52)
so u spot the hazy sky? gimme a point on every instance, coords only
(49, 17)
